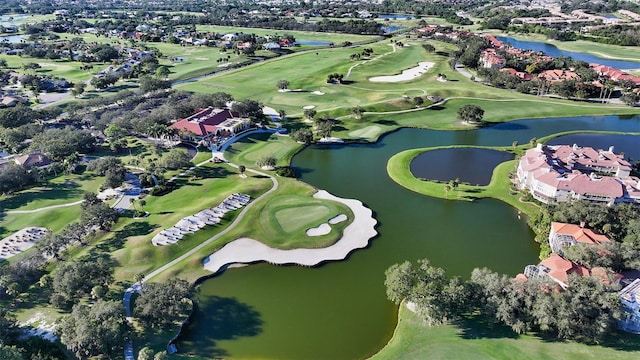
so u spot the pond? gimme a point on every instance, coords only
(552, 50)
(396, 16)
(312, 42)
(12, 20)
(469, 165)
(339, 310)
(12, 38)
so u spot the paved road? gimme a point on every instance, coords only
(132, 191)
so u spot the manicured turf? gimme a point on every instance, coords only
(248, 150)
(54, 219)
(477, 340)
(398, 168)
(211, 184)
(61, 190)
(299, 217)
(266, 229)
(308, 72)
(336, 38)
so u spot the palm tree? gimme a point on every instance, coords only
(242, 169)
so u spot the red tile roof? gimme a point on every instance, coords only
(560, 268)
(580, 234)
(204, 122)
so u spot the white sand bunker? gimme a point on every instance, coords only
(317, 92)
(322, 229)
(202, 58)
(225, 64)
(406, 75)
(309, 107)
(337, 219)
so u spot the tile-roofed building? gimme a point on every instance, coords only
(518, 74)
(34, 159)
(491, 60)
(562, 173)
(557, 75)
(557, 269)
(203, 124)
(614, 74)
(565, 235)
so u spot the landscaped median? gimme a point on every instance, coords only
(398, 168)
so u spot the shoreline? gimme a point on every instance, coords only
(245, 250)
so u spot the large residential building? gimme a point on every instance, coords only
(563, 235)
(210, 122)
(557, 75)
(561, 173)
(555, 268)
(492, 60)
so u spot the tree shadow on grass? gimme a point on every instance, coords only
(386, 122)
(120, 237)
(478, 327)
(49, 192)
(220, 318)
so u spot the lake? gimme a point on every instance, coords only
(339, 310)
(12, 38)
(553, 51)
(396, 16)
(470, 165)
(312, 42)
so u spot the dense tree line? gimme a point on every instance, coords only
(586, 311)
(161, 304)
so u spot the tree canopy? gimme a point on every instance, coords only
(93, 330)
(471, 113)
(161, 304)
(60, 143)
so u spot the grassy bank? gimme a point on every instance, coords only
(477, 340)
(500, 187)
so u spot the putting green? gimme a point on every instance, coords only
(302, 217)
(366, 132)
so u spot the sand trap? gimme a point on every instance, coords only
(322, 229)
(331, 140)
(337, 219)
(225, 64)
(317, 93)
(355, 236)
(202, 58)
(309, 107)
(406, 75)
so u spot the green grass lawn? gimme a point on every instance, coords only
(206, 187)
(54, 219)
(69, 70)
(294, 214)
(477, 340)
(290, 194)
(308, 71)
(248, 150)
(61, 190)
(398, 168)
(336, 38)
